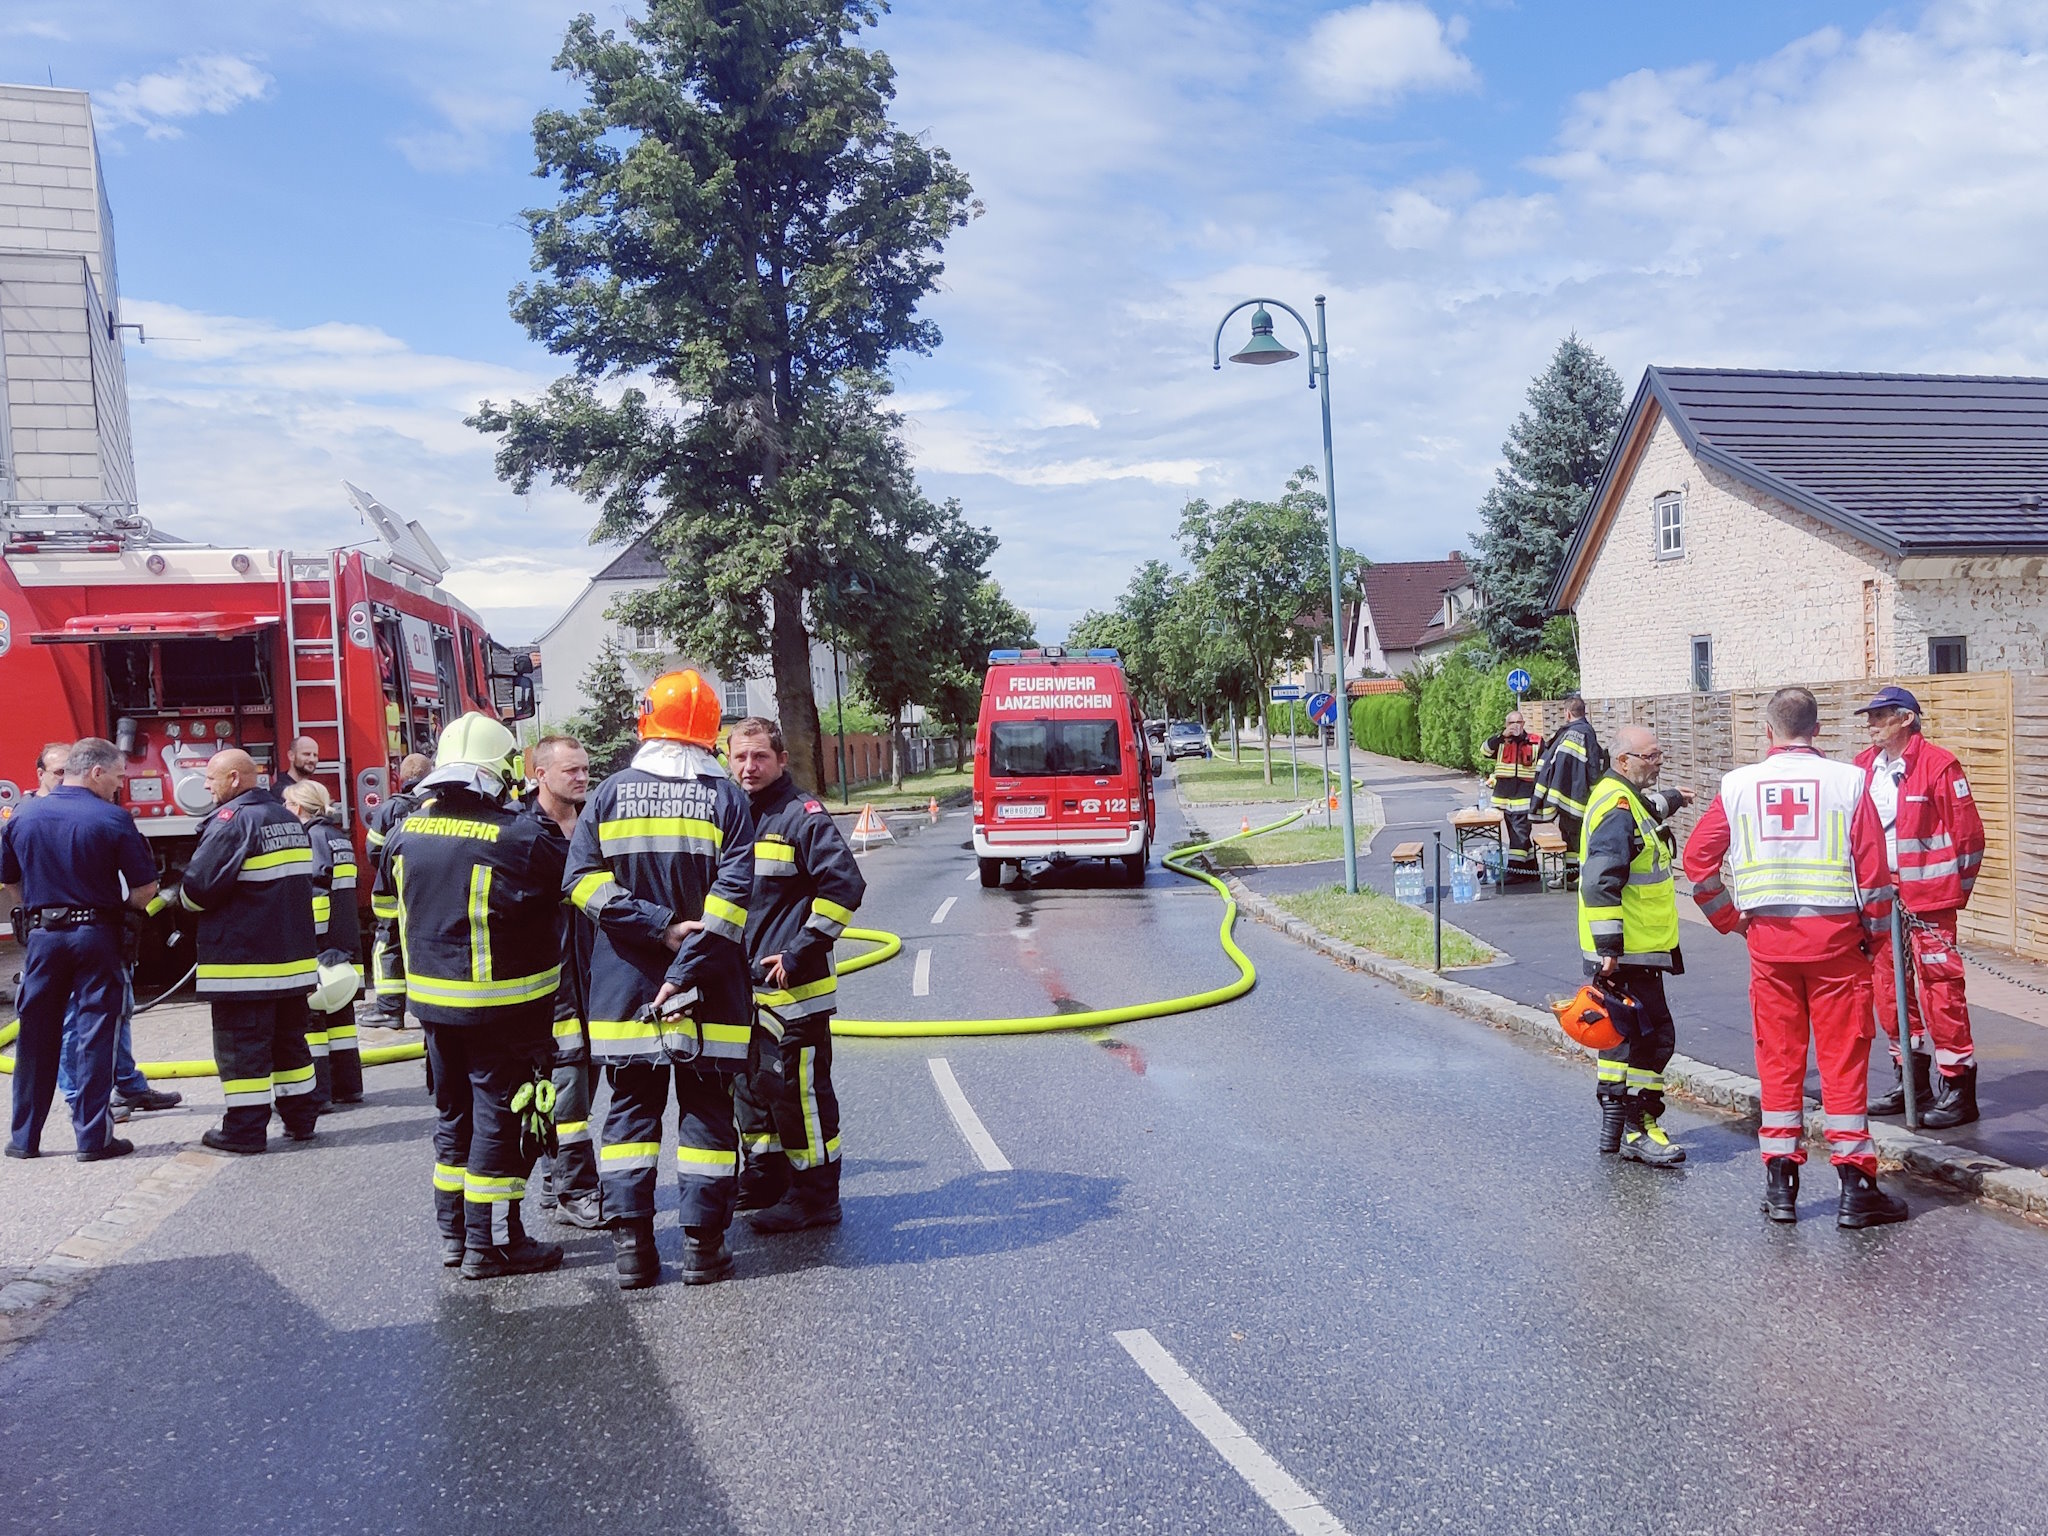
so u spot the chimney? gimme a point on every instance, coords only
(1458, 555)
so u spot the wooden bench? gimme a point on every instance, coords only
(1408, 853)
(1552, 856)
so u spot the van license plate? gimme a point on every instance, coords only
(1018, 812)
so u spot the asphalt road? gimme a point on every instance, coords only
(1372, 1233)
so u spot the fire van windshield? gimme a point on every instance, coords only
(1027, 749)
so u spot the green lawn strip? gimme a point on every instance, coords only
(1290, 845)
(1383, 925)
(917, 792)
(1219, 781)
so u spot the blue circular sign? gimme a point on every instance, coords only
(1518, 681)
(1323, 709)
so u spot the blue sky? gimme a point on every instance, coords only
(316, 203)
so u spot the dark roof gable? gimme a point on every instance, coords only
(1406, 598)
(1909, 463)
(636, 562)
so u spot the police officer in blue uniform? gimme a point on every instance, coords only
(77, 860)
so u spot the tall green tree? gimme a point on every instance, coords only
(610, 728)
(987, 622)
(1555, 452)
(1260, 564)
(741, 242)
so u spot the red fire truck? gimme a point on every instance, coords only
(174, 651)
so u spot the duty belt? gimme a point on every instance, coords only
(60, 918)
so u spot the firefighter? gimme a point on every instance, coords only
(1572, 764)
(251, 882)
(389, 1009)
(76, 863)
(1628, 937)
(569, 1184)
(661, 864)
(473, 890)
(1513, 779)
(806, 890)
(1935, 841)
(1808, 887)
(302, 763)
(338, 925)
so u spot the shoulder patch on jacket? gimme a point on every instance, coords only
(226, 813)
(816, 809)
(1962, 789)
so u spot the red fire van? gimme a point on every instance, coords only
(1061, 766)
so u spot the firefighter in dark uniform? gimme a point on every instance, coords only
(389, 1007)
(1572, 764)
(338, 924)
(473, 888)
(806, 890)
(569, 1184)
(251, 882)
(662, 863)
(70, 853)
(1513, 777)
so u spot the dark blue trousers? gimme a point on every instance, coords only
(80, 970)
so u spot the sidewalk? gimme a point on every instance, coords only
(1537, 933)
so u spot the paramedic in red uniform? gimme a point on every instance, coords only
(1806, 884)
(1936, 842)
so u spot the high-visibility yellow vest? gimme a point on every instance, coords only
(1788, 835)
(1648, 913)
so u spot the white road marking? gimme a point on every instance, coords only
(974, 874)
(1289, 1500)
(977, 1135)
(921, 979)
(945, 906)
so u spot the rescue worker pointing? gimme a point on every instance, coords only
(472, 889)
(251, 882)
(1808, 886)
(661, 862)
(1628, 936)
(1515, 752)
(806, 890)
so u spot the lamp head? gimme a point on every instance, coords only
(1264, 347)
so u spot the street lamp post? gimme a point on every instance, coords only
(1265, 348)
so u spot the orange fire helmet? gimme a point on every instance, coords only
(1588, 1017)
(680, 706)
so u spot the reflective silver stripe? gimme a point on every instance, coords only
(1605, 927)
(579, 1137)
(298, 981)
(276, 872)
(658, 843)
(724, 929)
(1930, 871)
(643, 1049)
(1847, 1123)
(830, 927)
(243, 1099)
(1861, 1147)
(1804, 909)
(1781, 1118)
(292, 1090)
(1933, 844)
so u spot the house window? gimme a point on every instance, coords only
(1703, 663)
(638, 639)
(1670, 517)
(1948, 653)
(734, 696)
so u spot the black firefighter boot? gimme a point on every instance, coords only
(634, 1253)
(1863, 1203)
(1955, 1103)
(1613, 1121)
(1894, 1103)
(764, 1181)
(706, 1259)
(1781, 1188)
(812, 1201)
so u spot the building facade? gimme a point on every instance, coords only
(64, 410)
(1753, 529)
(1413, 611)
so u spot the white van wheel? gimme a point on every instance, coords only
(991, 873)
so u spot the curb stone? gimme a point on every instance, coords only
(1974, 1173)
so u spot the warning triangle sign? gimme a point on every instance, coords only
(871, 827)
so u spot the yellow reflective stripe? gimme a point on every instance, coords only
(490, 1188)
(323, 908)
(584, 893)
(622, 1029)
(385, 907)
(259, 971)
(707, 1162)
(824, 907)
(568, 1029)
(480, 923)
(649, 834)
(375, 838)
(448, 1176)
(447, 992)
(644, 1153)
(719, 907)
(292, 1075)
(282, 859)
(398, 888)
(186, 901)
(809, 989)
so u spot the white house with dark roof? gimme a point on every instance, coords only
(573, 642)
(1413, 611)
(1753, 529)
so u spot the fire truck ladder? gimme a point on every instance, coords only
(312, 633)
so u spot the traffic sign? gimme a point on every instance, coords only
(1323, 709)
(1518, 682)
(1287, 693)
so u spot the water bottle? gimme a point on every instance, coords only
(1408, 884)
(1464, 884)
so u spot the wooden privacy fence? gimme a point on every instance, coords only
(1996, 723)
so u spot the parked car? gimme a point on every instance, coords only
(1184, 738)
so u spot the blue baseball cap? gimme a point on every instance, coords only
(1892, 696)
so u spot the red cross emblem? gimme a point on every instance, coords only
(1787, 810)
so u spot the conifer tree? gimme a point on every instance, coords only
(1554, 453)
(610, 728)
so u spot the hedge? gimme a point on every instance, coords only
(1464, 700)
(1387, 723)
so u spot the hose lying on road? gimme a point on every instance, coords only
(887, 947)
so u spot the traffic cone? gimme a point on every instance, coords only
(1244, 825)
(932, 810)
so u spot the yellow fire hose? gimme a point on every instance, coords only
(887, 947)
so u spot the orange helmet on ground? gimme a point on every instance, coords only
(681, 706)
(1588, 1017)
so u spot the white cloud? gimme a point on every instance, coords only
(207, 84)
(476, 125)
(1374, 54)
